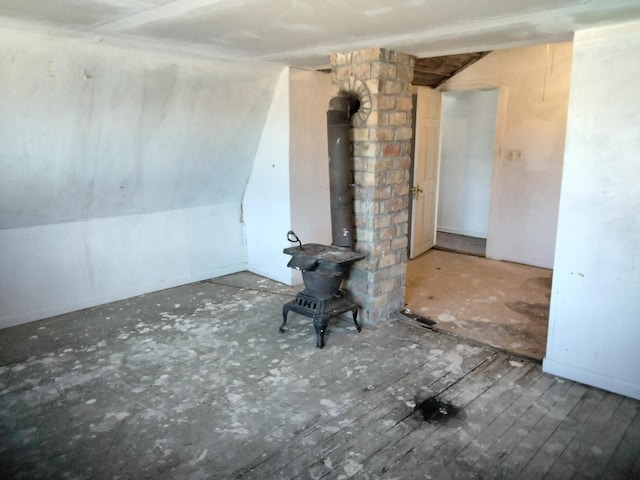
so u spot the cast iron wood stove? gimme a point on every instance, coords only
(324, 266)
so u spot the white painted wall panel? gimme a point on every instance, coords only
(53, 269)
(309, 157)
(289, 184)
(594, 325)
(266, 205)
(532, 109)
(122, 171)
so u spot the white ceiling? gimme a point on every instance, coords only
(305, 32)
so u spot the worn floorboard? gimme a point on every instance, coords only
(197, 383)
(625, 461)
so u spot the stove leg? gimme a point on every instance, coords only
(320, 326)
(355, 319)
(285, 311)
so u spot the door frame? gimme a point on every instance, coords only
(499, 154)
(412, 170)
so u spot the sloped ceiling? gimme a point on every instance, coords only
(304, 33)
(434, 71)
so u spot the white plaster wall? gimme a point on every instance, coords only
(466, 161)
(594, 324)
(122, 170)
(266, 204)
(534, 86)
(309, 160)
(289, 184)
(57, 268)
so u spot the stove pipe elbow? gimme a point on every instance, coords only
(341, 108)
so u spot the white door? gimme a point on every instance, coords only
(424, 192)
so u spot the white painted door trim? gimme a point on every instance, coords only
(426, 166)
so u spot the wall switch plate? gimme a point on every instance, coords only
(514, 154)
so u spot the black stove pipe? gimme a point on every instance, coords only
(341, 108)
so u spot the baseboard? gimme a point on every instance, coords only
(88, 302)
(465, 234)
(589, 377)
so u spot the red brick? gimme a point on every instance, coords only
(340, 58)
(391, 150)
(404, 103)
(403, 133)
(382, 134)
(384, 102)
(401, 217)
(383, 193)
(401, 189)
(390, 87)
(380, 249)
(387, 261)
(403, 162)
(383, 119)
(386, 286)
(394, 205)
(382, 164)
(373, 84)
(368, 55)
(398, 270)
(387, 233)
(362, 71)
(360, 134)
(382, 221)
(367, 149)
(359, 287)
(362, 246)
(405, 73)
(405, 58)
(399, 119)
(365, 178)
(377, 303)
(362, 193)
(388, 71)
(394, 177)
(342, 73)
(398, 243)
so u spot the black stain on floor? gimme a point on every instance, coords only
(433, 409)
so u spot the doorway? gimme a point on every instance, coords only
(466, 168)
(501, 304)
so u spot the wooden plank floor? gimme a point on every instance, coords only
(196, 382)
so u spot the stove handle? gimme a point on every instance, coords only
(292, 237)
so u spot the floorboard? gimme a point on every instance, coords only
(508, 427)
(625, 461)
(597, 441)
(197, 383)
(430, 437)
(524, 458)
(460, 449)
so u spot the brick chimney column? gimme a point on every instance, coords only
(382, 139)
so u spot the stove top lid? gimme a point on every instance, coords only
(325, 253)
